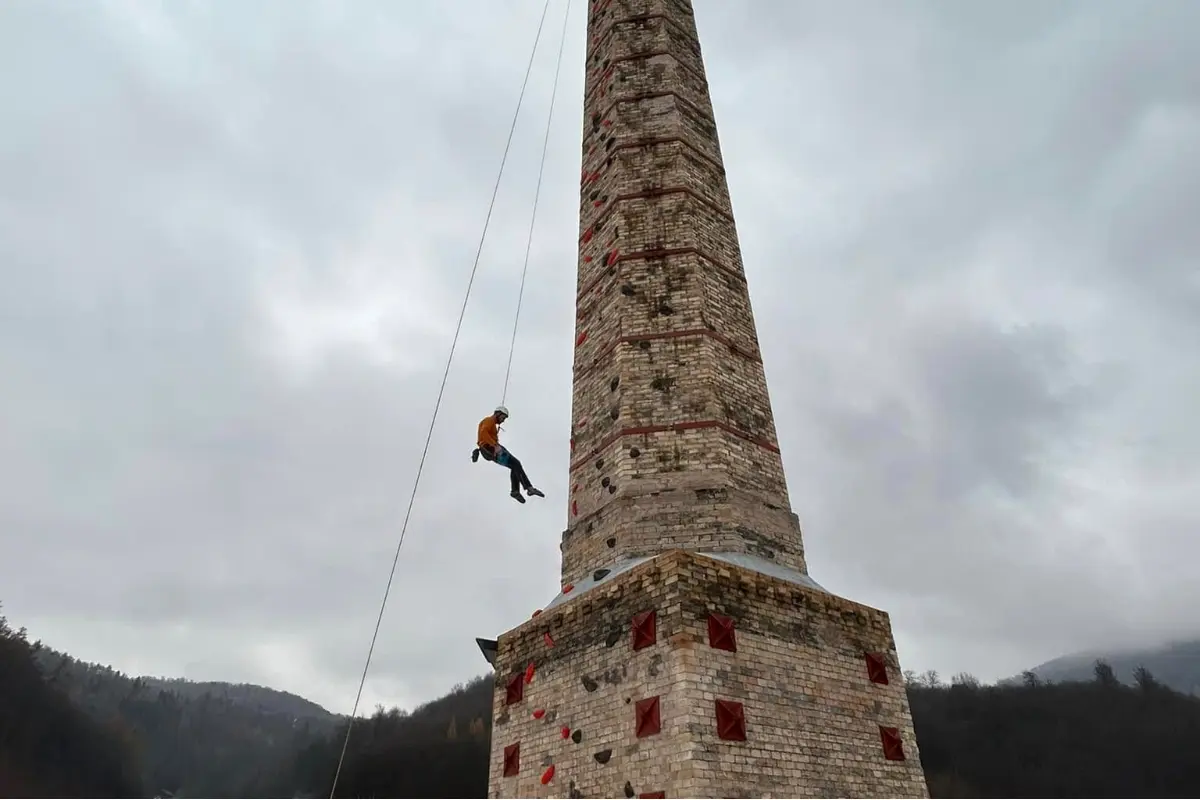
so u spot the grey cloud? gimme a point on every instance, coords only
(233, 242)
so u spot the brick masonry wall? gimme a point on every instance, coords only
(816, 676)
(669, 393)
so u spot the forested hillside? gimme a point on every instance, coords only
(71, 729)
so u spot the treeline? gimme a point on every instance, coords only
(440, 749)
(1034, 739)
(68, 728)
(48, 746)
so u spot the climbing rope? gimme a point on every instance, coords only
(512, 345)
(446, 374)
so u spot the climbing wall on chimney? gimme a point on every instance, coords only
(673, 439)
(688, 676)
(689, 653)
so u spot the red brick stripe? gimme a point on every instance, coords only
(678, 426)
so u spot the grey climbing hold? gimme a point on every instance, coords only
(614, 636)
(590, 684)
(603, 756)
(634, 452)
(614, 413)
(577, 736)
(628, 789)
(503, 718)
(611, 541)
(600, 574)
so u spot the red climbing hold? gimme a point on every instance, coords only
(647, 718)
(548, 775)
(653, 794)
(581, 338)
(572, 444)
(535, 613)
(538, 713)
(731, 721)
(597, 203)
(587, 259)
(612, 258)
(514, 691)
(876, 668)
(568, 588)
(721, 634)
(566, 732)
(645, 632)
(893, 746)
(529, 673)
(587, 235)
(574, 508)
(512, 760)
(607, 123)
(548, 640)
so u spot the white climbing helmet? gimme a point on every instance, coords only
(501, 410)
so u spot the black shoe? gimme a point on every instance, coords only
(517, 496)
(532, 492)
(475, 455)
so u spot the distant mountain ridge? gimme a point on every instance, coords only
(251, 695)
(1176, 664)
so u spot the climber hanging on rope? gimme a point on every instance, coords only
(489, 447)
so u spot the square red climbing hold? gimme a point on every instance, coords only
(893, 747)
(516, 689)
(648, 719)
(645, 631)
(876, 668)
(512, 760)
(653, 794)
(720, 633)
(731, 721)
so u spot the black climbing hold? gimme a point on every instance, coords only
(599, 463)
(611, 541)
(628, 789)
(573, 792)
(604, 482)
(603, 756)
(627, 699)
(614, 413)
(627, 289)
(612, 489)
(644, 344)
(589, 527)
(595, 193)
(611, 271)
(503, 719)
(665, 308)
(577, 736)
(634, 452)
(613, 384)
(610, 143)
(614, 636)
(590, 684)
(597, 118)
(608, 161)
(600, 574)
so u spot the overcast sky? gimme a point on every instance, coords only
(234, 238)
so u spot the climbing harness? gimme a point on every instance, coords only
(453, 347)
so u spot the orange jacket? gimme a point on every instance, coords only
(489, 433)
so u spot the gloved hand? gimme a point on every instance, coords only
(475, 455)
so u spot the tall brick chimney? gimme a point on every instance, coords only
(689, 653)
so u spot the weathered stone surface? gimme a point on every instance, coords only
(675, 452)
